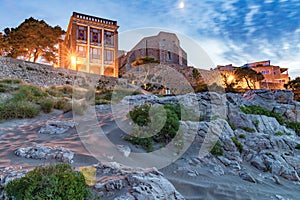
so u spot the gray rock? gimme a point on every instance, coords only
(284, 96)
(246, 176)
(45, 152)
(56, 127)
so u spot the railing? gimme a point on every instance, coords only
(94, 19)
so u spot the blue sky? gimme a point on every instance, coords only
(229, 31)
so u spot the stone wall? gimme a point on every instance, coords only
(46, 75)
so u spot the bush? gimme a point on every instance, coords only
(238, 145)
(63, 104)
(217, 150)
(242, 136)
(233, 127)
(279, 133)
(46, 105)
(257, 110)
(297, 146)
(247, 129)
(51, 182)
(17, 109)
(295, 126)
(79, 107)
(142, 134)
(29, 93)
(11, 81)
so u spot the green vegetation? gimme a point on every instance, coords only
(294, 85)
(297, 146)
(279, 133)
(242, 136)
(257, 110)
(233, 127)
(165, 117)
(37, 39)
(79, 108)
(17, 109)
(255, 123)
(63, 104)
(294, 125)
(247, 129)
(144, 60)
(47, 105)
(196, 74)
(60, 91)
(51, 182)
(238, 145)
(217, 150)
(11, 81)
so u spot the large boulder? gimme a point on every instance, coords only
(120, 182)
(263, 98)
(284, 96)
(56, 127)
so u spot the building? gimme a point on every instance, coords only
(274, 76)
(90, 45)
(164, 47)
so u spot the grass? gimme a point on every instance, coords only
(217, 149)
(233, 127)
(238, 145)
(18, 110)
(47, 105)
(242, 136)
(247, 129)
(257, 110)
(294, 125)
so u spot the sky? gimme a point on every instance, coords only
(221, 32)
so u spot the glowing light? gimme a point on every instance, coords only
(181, 5)
(73, 62)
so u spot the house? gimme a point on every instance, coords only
(274, 76)
(163, 47)
(90, 45)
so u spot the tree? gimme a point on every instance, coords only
(32, 39)
(249, 75)
(293, 84)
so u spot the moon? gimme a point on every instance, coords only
(181, 5)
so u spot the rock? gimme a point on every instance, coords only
(124, 149)
(56, 127)
(284, 96)
(44, 152)
(135, 183)
(246, 176)
(263, 98)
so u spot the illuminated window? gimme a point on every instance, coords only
(108, 56)
(95, 55)
(81, 33)
(81, 51)
(109, 38)
(95, 36)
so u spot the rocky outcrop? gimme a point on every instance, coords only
(120, 182)
(47, 153)
(56, 127)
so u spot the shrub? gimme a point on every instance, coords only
(238, 145)
(295, 126)
(166, 119)
(29, 93)
(11, 81)
(17, 109)
(257, 110)
(51, 182)
(46, 105)
(243, 136)
(79, 107)
(255, 123)
(279, 133)
(247, 129)
(233, 127)
(297, 146)
(217, 150)
(63, 104)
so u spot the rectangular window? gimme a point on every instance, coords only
(81, 33)
(95, 36)
(108, 57)
(109, 38)
(95, 55)
(81, 51)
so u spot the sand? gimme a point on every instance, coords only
(22, 133)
